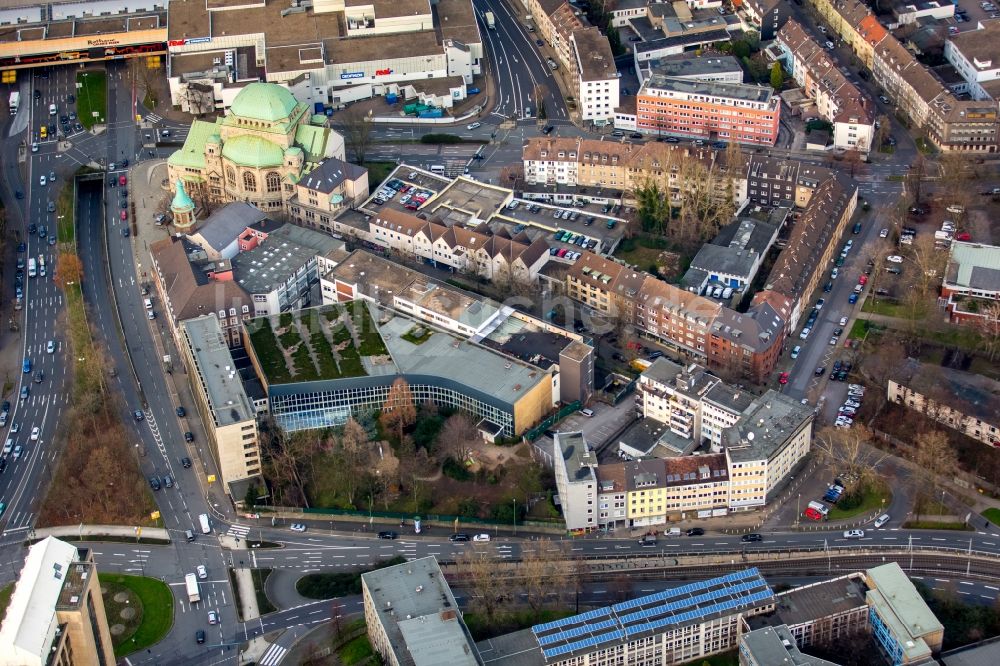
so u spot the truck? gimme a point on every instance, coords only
(206, 528)
(194, 593)
(32, 269)
(15, 101)
(490, 22)
(431, 113)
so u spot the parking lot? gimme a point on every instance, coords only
(590, 222)
(597, 429)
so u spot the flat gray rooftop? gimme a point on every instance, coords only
(740, 91)
(217, 371)
(769, 421)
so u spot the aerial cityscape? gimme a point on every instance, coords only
(500, 333)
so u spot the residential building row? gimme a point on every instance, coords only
(837, 100)
(952, 122)
(584, 52)
(412, 620)
(703, 448)
(328, 53)
(56, 612)
(971, 284)
(963, 401)
(698, 328)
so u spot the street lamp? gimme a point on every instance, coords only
(515, 516)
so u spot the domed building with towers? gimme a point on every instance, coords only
(256, 154)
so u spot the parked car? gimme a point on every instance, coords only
(459, 537)
(388, 534)
(696, 531)
(882, 520)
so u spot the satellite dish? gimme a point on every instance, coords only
(750, 436)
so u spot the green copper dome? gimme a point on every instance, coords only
(264, 101)
(252, 151)
(182, 202)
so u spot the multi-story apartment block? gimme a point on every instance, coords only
(597, 76)
(473, 250)
(811, 245)
(837, 100)
(951, 122)
(326, 191)
(226, 410)
(974, 54)
(774, 645)
(970, 284)
(768, 16)
(716, 448)
(963, 401)
(708, 110)
(697, 327)
(56, 612)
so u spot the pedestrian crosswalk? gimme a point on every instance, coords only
(153, 118)
(238, 531)
(273, 655)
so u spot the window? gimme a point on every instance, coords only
(273, 182)
(249, 182)
(231, 176)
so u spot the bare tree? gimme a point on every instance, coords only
(542, 572)
(398, 410)
(882, 131)
(847, 451)
(358, 128)
(988, 326)
(356, 455)
(914, 179)
(458, 436)
(488, 588)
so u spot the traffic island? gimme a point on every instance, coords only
(140, 611)
(92, 97)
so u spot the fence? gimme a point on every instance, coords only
(426, 519)
(563, 412)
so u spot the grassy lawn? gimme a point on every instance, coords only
(91, 97)
(65, 228)
(5, 599)
(873, 499)
(377, 172)
(355, 651)
(931, 525)
(152, 604)
(992, 515)
(724, 659)
(858, 329)
(886, 308)
(333, 585)
(264, 604)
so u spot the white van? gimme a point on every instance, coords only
(727, 293)
(717, 292)
(52, 109)
(148, 303)
(819, 507)
(672, 532)
(8, 446)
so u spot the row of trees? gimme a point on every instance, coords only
(689, 199)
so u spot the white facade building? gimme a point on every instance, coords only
(976, 57)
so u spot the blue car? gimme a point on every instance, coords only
(852, 299)
(26, 367)
(472, 91)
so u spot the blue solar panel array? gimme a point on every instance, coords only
(589, 624)
(687, 589)
(587, 642)
(699, 613)
(576, 619)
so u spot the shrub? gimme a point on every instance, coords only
(440, 138)
(455, 470)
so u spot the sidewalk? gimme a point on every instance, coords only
(118, 531)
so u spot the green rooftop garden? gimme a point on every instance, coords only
(322, 343)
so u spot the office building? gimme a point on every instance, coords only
(329, 189)
(904, 628)
(226, 410)
(328, 53)
(708, 110)
(412, 616)
(768, 646)
(597, 81)
(345, 357)
(713, 67)
(973, 53)
(56, 613)
(675, 626)
(731, 259)
(962, 401)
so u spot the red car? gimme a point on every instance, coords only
(964, 236)
(863, 280)
(783, 378)
(813, 514)
(124, 215)
(122, 180)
